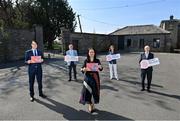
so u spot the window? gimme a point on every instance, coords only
(164, 26)
(141, 43)
(156, 43)
(171, 27)
(129, 43)
(178, 26)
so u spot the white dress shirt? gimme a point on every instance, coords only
(146, 54)
(34, 52)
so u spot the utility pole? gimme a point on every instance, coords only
(79, 23)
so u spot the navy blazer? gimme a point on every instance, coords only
(28, 55)
(143, 57)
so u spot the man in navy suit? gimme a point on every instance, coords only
(146, 72)
(71, 64)
(34, 69)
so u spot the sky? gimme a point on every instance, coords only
(106, 16)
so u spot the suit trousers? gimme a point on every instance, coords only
(35, 72)
(146, 73)
(71, 67)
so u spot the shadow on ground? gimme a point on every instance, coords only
(70, 113)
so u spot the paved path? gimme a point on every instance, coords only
(119, 99)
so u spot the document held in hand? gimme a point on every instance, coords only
(147, 63)
(36, 59)
(113, 57)
(68, 58)
(144, 64)
(154, 61)
(92, 66)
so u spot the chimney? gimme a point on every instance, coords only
(171, 17)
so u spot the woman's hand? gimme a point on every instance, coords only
(100, 67)
(85, 69)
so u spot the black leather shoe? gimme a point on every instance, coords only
(94, 110)
(42, 95)
(142, 89)
(69, 80)
(149, 90)
(31, 99)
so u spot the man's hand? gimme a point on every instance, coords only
(42, 60)
(29, 61)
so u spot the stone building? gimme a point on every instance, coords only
(130, 38)
(134, 38)
(172, 25)
(14, 42)
(83, 41)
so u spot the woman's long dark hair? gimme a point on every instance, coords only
(88, 57)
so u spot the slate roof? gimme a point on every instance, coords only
(139, 30)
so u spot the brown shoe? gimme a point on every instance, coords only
(90, 108)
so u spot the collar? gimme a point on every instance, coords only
(33, 49)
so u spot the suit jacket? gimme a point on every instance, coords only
(143, 57)
(73, 54)
(28, 55)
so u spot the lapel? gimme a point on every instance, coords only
(37, 52)
(68, 52)
(72, 54)
(144, 56)
(149, 56)
(31, 54)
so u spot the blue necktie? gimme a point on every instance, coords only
(35, 52)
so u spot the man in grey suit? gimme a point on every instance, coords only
(146, 72)
(72, 64)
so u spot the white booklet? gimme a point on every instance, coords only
(113, 57)
(68, 58)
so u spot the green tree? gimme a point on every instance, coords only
(50, 14)
(6, 12)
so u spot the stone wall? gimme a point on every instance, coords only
(165, 42)
(81, 42)
(17, 42)
(174, 27)
(101, 42)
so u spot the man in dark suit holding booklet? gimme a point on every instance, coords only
(145, 69)
(34, 58)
